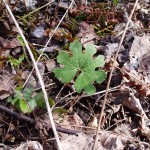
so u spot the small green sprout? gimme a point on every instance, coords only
(26, 100)
(15, 62)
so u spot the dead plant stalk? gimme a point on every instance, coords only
(38, 75)
(110, 76)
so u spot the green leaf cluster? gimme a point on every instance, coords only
(16, 62)
(82, 66)
(26, 101)
(116, 2)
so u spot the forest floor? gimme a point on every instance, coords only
(94, 60)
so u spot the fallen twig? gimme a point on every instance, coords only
(17, 115)
(32, 121)
(11, 125)
(36, 10)
(67, 131)
(110, 76)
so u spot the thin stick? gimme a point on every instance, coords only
(11, 125)
(36, 10)
(101, 92)
(122, 31)
(110, 76)
(32, 121)
(49, 40)
(15, 114)
(46, 86)
(60, 92)
(38, 75)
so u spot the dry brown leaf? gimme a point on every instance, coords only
(9, 43)
(41, 68)
(68, 120)
(50, 64)
(145, 129)
(94, 122)
(87, 33)
(107, 141)
(139, 64)
(33, 145)
(139, 58)
(128, 99)
(109, 51)
(123, 129)
(31, 81)
(134, 104)
(61, 34)
(5, 85)
(9, 138)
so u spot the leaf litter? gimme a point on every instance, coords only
(125, 122)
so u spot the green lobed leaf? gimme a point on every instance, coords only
(39, 98)
(24, 107)
(28, 93)
(81, 65)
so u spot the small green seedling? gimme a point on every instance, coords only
(16, 62)
(81, 66)
(116, 2)
(23, 47)
(25, 100)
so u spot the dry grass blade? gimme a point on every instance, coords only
(110, 76)
(38, 75)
